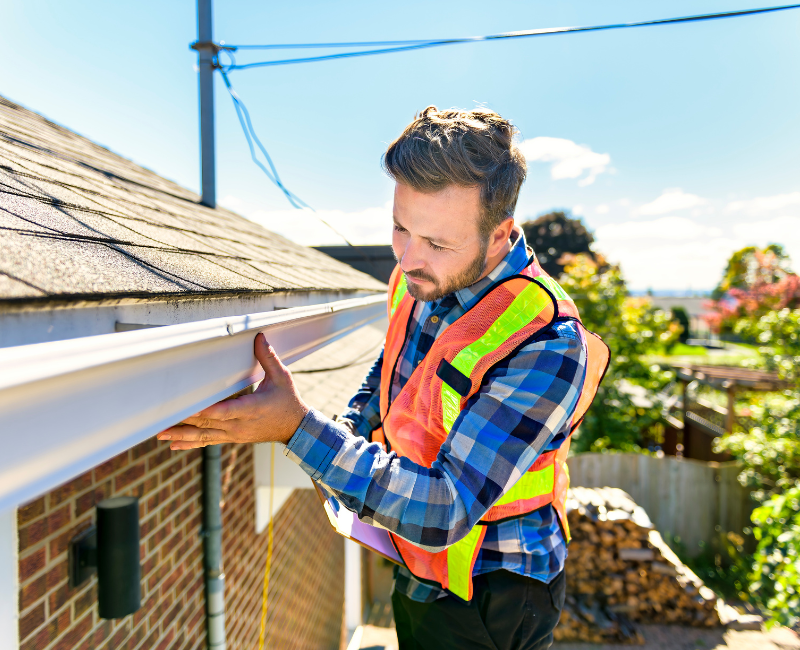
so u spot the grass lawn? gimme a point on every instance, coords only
(734, 354)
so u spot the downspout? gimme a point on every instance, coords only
(212, 547)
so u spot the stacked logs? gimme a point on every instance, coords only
(619, 571)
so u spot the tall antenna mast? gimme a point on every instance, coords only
(207, 50)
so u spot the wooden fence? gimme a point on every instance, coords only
(691, 499)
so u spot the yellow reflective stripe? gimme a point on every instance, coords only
(556, 289)
(459, 563)
(399, 292)
(530, 484)
(522, 310)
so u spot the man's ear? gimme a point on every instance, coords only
(500, 236)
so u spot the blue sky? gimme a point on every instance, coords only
(677, 144)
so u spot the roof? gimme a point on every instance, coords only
(78, 221)
(328, 378)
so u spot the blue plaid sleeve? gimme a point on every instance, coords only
(524, 402)
(364, 409)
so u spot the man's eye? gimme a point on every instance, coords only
(399, 228)
(435, 247)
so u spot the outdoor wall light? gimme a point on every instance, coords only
(112, 549)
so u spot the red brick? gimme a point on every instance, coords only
(56, 575)
(86, 600)
(31, 621)
(32, 534)
(166, 642)
(103, 471)
(32, 591)
(170, 470)
(144, 448)
(67, 490)
(170, 507)
(150, 484)
(30, 511)
(59, 597)
(148, 526)
(129, 476)
(85, 502)
(158, 498)
(159, 536)
(162, 456)
(41, 640)
(30, 564)
(58, 519)
(73, 636)
(60, 543)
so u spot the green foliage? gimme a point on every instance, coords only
(554, 234)
(778, 334)
(770, 455)
(723, 566)
(745, 268)
(631, 327)
(776, 570)
(681, 316)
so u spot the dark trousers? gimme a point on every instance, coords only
(507, 612)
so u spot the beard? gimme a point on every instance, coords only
(445, 286)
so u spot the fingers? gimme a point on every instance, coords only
(190, 437)
(267, 357)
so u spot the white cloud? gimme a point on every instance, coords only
(780, 230)
(601, 209)
(671, 200)
(578, 210)
(765, 203)
(677, 228)
(570, 160)
(667, 253)
(368, 226)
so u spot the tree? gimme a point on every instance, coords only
(631, 328)
(756, 282)
(554, 234)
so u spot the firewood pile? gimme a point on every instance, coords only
(620, 571)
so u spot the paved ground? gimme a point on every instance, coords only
(657, 637)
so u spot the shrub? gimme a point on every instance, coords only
(622, 413)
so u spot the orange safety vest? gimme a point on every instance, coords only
(418, 421)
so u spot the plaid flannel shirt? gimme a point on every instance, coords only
(523, 408)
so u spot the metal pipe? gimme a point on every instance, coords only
(212, 548)
(206, 51)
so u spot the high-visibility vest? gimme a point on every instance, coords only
(417, 422)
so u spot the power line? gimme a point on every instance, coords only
(388, 47)
(272, 173)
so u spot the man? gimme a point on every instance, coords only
(456, 442)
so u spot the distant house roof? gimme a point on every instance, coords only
(80, 222)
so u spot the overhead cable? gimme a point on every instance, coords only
(388, 47)
(272, 173)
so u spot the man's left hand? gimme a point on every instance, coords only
(271, 414)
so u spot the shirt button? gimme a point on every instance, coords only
(434, 319)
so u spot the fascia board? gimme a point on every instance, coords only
(67, 406)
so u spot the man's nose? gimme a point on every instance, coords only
(412, 258)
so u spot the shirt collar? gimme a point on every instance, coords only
(515, 260)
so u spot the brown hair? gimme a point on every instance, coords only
(464, 148)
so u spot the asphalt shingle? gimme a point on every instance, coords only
(79, 220)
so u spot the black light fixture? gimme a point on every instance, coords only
(112, 549)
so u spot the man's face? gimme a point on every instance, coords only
(436, 239)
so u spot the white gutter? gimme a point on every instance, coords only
(66, 406)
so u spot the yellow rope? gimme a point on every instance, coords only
(264, 599)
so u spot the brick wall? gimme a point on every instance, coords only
(55, 617)
(306, 593)
(306, 590)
